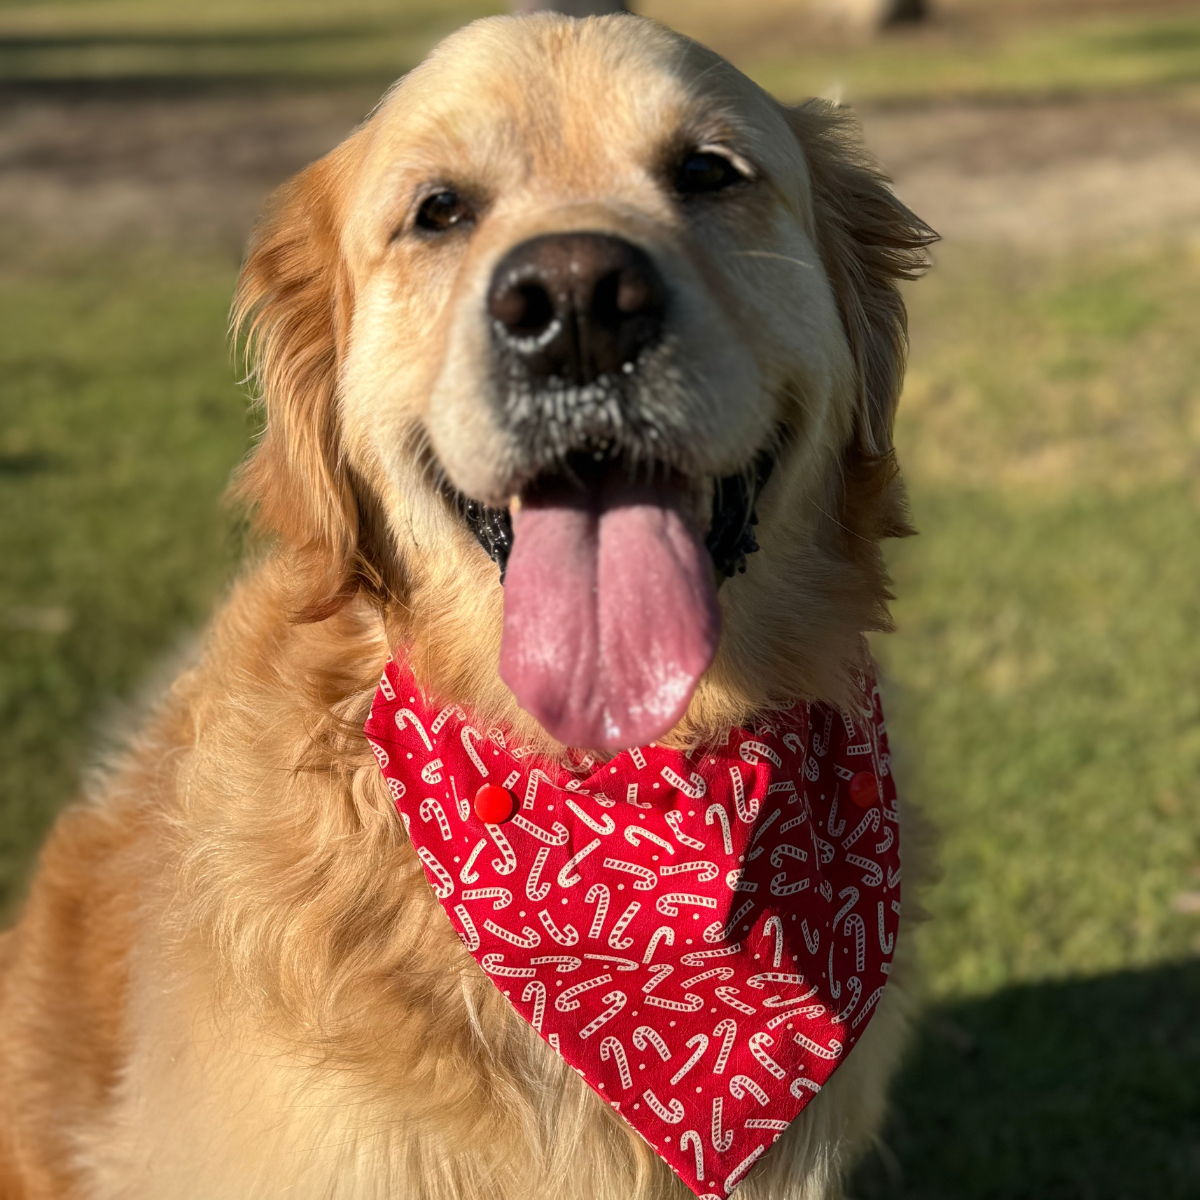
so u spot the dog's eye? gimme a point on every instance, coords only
(702, 172)
(441, 211)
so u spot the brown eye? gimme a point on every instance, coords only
(702, 172)
(442, 211)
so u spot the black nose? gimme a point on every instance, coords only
(574, 306)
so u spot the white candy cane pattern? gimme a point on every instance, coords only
(685, 939)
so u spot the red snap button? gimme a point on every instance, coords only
(864, 789)
(494, 804)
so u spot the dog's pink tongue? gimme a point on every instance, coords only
(610, 614)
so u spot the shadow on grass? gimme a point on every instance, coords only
(1087, 1090)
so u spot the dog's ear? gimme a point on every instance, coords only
(292, 312)
(868, 242)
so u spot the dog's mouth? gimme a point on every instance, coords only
(610, 606)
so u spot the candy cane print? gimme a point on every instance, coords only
(812, 938)
(566, 936)
(801, 1083)
(833, 826)
(752, 752)
(825, 851)
(874, 872)
(668, 902)
(468, 736)
(835, 988)
(566, 1001)
(761, 980)
(397, 789)
(794, 821)
(445, 715)
(863, 1012)
(535, 991)
(793, 743)
(460, 802)
(821, 741)
(692, 1138)
(664, 933)
(812, 770)
(693, 789)
(854, 986)
(611, 1049)
(646, 880)
(506, 864)
(722, 816)
(635, 835)
(735, 881)
(568, 876)
(639, 759)
(810, 1012)
(556, 835)
(530, 939)
(790, 1002)
(673, 818)
(405, 717)
(430, 808)
(830, 1053)
(621, 964)
(780, 888)
(785, 785)
(385, 684)
(631, 793)
(716, 932)
(445, 885)
(470, 935)
(843, 772)
(500, 897)
(564, 964)
(615, 940)
(468, 874)
(759, 1043)
(755, 848)
(741, 1086)
(513, 779)
(672, 1114)
(746, 812)
(722, 1139)
(493, 964)
(855, 922)
(604, 827)
(852, 892)
(694, 958)
(728, 994)
(892, 880)
(775, 925)
(404, 817)
(870, 821)
(531, 787)
(706, 871)
(659, 973)
(536, 888)
(597, 894)
(700, 1041)
(721, 973)
(644, 1036)
(884, 846)
(727, 1031)
(689, 1004)
(888, 945)
(614, 1002)
(765, 1123)
(431, 772)
(787, 851)
(826, 891)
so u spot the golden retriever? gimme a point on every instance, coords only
(231, 979)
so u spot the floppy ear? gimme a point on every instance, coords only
(292, 308)
(868, 242)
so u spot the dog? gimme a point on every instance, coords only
(566, 269)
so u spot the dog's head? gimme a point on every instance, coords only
(582, 295)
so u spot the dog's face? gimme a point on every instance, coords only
(588, 275)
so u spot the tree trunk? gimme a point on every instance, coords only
(572, 8)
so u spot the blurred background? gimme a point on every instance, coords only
(1044, 683)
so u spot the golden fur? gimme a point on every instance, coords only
(231, 979)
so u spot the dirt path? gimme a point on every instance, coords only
(197, 167)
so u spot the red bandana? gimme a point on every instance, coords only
(702, 936)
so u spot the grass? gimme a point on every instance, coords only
(1027, 53)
